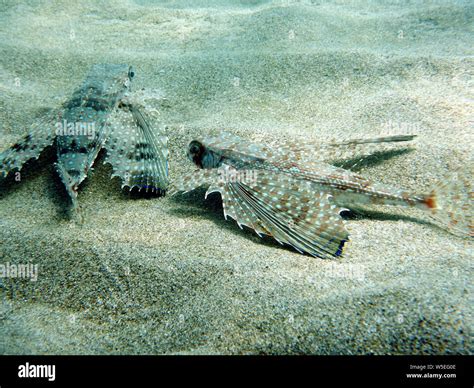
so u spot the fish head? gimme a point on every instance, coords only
(204, 156)
(111, 78)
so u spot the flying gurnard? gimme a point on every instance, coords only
(292, 193)
(102, 113)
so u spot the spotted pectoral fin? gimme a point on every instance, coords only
(191, 181)
(290, 211)
(40, 136)
(138, 155)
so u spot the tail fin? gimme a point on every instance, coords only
(451, 203)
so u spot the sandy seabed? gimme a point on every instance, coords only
(170, 275)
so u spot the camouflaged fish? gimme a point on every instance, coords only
(292, 193)
(102, 113)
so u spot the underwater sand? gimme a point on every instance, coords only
(170, 275)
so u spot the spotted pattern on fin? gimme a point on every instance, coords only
(30, 146)
(289, 210)
(278, 206)
(138, 156)
(192, 181)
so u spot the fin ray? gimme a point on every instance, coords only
(40, 136)
(137, 155)
(288, 210)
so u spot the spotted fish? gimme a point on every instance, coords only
(102, 113)
(293, 193)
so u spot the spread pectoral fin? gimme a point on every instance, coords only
(290, 211)
(197, 178)
(40, 136)
(138, 156)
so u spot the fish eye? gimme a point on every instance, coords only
(194, 148)
(131, 72)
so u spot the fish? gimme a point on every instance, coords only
(296, 191)
(103, 113)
